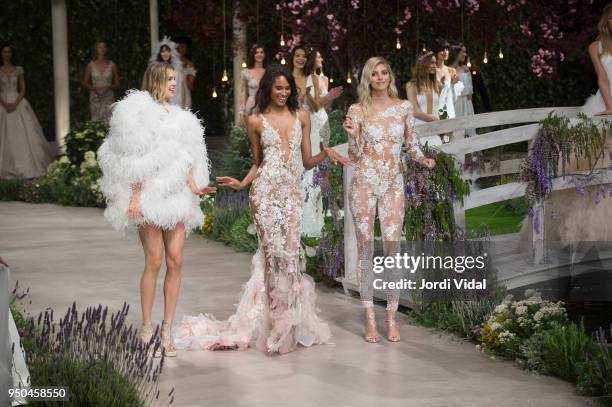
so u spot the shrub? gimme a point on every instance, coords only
(84, 137)
(9, 189)
(103, 363)
(513, 322)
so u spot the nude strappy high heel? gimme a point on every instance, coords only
(168, 348)
(391, 322)
(370, 319)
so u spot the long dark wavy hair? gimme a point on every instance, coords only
(263, 98)
(295, 50)
(12, 48)
(251, 56)
(159, 57)
(454, 52)
(311, 61)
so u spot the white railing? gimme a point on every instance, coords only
(458, 148)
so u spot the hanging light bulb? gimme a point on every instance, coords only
(282, 41)
(214, 94)
(283, 62)
(469, 64)
(501, 54)
(331, 80)
(224, 78)
(398, 44)
(348, 78)
(244, 64)
(424, 49)
(485, 60)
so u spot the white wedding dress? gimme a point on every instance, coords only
(312, 221)
(463, 105)
(436, 106)
(24, 151)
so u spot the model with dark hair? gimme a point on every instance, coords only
(249, 79)
(24, 151)
(463, 104)
(277, 309)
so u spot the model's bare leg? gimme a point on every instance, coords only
(174, 242)
(153, 246)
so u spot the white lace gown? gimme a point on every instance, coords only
(463, 105)
(284, 316)
(24, 151)
(100, 106)
(187, 71)
(313, 220)
(250, 84)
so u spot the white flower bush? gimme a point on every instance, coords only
(513, 322)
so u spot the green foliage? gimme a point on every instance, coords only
(564, 350)
(429, 207)
(238, 235)
(558, 142)
(93, 384)
(9, 189)
(84, 137)
(69, 185)
(463, 318)
(337, 133)
(236, 159)
(497, 218)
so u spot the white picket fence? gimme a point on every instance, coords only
(458, 148)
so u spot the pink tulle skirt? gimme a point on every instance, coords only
(277, 324)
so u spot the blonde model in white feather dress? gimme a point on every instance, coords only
(155, 166)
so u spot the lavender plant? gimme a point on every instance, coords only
(557, 143)
(101, 361)
(430, 195)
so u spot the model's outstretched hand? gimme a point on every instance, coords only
(334, 156)
(351, 127)
(201, 191)
(229, 182)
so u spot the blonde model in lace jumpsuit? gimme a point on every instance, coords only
(376, 137)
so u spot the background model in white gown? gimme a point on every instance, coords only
(463, 104)
(436, 105)
(24, 151)
(312, 219)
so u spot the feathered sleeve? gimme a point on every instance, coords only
(125, 154)
(192, 140)
(355, 143)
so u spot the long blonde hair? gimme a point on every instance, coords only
(421, 78)
(605, 36)
(155, 80)
(364, 89)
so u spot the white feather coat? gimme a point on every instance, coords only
(155, 146)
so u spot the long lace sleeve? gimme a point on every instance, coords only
(411, 141)
(355, 143)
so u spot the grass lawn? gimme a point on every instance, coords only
(497, 218)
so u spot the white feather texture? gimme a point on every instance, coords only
(155, 146)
